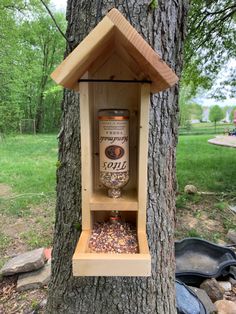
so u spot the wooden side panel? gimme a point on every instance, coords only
(142, 242)
(86, 154)
(82, 244)
(143, 155)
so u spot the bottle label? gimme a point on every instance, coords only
(114, 144)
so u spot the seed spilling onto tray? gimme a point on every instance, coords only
(108, 237)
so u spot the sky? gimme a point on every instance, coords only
(204, 100)
(60, 5)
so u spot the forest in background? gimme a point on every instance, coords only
(32, 46)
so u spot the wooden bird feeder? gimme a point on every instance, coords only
(114, 67)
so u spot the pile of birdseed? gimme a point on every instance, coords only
(119, 237)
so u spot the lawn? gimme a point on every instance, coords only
(27, 192)
(28, 165)
(212, 169)
(208, 167)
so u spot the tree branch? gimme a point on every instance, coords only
(221, 11)
(55, 22)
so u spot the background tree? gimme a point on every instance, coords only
(30, 47)
(210, 44)
(216, 114)
(188, 110)
(163, 26)
(232, 114)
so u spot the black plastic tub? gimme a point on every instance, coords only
(198, 259)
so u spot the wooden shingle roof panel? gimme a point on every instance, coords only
(147, 58)
(114, 29)
(79, 60)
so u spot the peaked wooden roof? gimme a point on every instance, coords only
(115, 34)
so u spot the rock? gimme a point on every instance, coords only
(43, 303)
(202, 295)
(232, 281)
(213, 289)
(233, 208)
(35, 279)
(231, 235)
(25, 262)
(226, 285)
(225, 307)
(190, 189)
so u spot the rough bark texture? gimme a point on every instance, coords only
(164, 28)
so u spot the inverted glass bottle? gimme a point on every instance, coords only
(114, 149)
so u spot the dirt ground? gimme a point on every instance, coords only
(207, 217)
(19, 234)
(13, 302)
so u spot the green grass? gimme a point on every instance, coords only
(208, 167)
(28, 165)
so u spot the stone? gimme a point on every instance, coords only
(226, 285)
(225, 307)
(231, 235)
(25, 262)
(233, 208)
(190, 189)
(232, 281)
(204, 298)
(213, 289)
(35, 279)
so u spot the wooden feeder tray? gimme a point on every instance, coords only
(105, 264)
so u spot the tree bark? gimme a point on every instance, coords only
(164, 29)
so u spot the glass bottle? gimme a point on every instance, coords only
(114, 149)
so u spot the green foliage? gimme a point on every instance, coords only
(31, 47)
(4, 241)
(78, 226)
(10, 115)
(221, 205)
(153, 4)
(216, 114)
(210, 42)
(232, 114)
(193, 233)
(188, 109)
(188, 125)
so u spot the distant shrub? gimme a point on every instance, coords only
(10, 116)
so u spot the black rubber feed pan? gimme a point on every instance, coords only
(197, 259)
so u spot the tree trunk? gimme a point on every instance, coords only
(163, 27)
